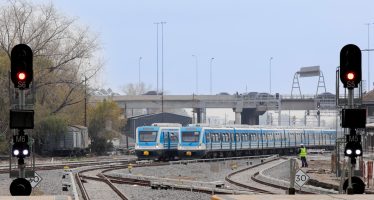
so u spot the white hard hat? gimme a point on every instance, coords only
(301, 144)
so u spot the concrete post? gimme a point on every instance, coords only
(238, 115)
(198, 118)
(194, 116)
(238, 118)
(203, 112)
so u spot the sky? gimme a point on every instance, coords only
(241, 36)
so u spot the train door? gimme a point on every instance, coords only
(166, 137)
(266, 138)
(307, 135)
(208, 140)
(250, 139)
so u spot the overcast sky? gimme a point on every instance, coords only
(242, 36)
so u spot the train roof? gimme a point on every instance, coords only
(167, 124)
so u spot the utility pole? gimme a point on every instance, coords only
(157, 23)
(162, 68)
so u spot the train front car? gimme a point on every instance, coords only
(191, 143)
(146, 145)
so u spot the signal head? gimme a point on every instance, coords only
(21, 66)
(21, 150)
(350, 66)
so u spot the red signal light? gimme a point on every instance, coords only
(21, 76)
(350, 76)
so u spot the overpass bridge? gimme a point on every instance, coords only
(247, 108)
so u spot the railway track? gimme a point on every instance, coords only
(229, 179)
(275, 186)
(253, 178)
(40, 167)
(81, 178)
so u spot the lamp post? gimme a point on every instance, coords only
(162, 69)
(140, 58)
(211, 60)
(157, 23)
(270, 59)
(197, 75)
(368, 24)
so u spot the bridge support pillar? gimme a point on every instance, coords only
(250, 116)
(200, 115)
(238, 115)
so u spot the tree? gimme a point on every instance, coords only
(105, 123)
(135, 89)
(64, 53)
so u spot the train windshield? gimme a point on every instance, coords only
(191, 136)
(147, 136)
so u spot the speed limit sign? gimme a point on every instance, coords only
(301, 178)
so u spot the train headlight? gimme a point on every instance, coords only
(348, 151)
(358, 152)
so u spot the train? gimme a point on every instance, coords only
(211, 142)
(74, 142)
(197, 141)
(158, 141)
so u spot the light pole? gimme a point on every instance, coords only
(157, 23)
(211, 60)
(140, 58)
(197, 75)
(270, 59)
(162, 69)
(368, 24)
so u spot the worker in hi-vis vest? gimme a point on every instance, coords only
(302, 154)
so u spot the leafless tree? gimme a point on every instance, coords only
(64, 52)
(135, 89)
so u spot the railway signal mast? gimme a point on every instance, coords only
(353, 118)
(21, 117)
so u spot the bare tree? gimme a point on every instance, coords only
(135, 89)
(64, 52)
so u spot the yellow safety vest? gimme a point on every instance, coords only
(302, 152)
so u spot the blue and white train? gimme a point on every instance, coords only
(207, 142)
(159, 141)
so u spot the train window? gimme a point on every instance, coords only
(147, 136)
(237, 137)
(190, 136)
(173, 137)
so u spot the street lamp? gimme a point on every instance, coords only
(140, 58)
(162, 69)
(157, 23)
(270, 59)
(197, 75)
(368, 24)
(211, 60)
